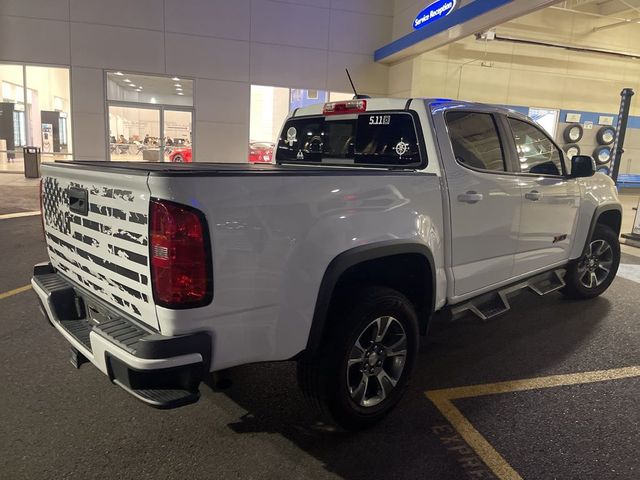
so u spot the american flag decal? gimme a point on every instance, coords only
(106, 251)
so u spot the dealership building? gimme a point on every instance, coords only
(123, 80)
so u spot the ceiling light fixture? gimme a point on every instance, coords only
(126, 80)
(175, 79)
(180, 93)
(178, 85)
(119, 74)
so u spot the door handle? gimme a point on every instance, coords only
(470, 197)
(533, 195)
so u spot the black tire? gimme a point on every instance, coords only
(606, 135)
(571, 150)
(604, 152)
(324, 379)
(178, 159)
(576, 278)
(573, 133)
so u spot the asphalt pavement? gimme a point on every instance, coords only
(62, 423)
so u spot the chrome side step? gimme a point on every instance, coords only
(495, 303)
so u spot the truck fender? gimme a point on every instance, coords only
(597, 214)
(358, 255)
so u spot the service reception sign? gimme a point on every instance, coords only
(433, 12)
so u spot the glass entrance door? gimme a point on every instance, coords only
(134, 134)
(178, 135)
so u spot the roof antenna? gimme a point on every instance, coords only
(356, 96)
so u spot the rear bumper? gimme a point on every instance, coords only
(161, 371)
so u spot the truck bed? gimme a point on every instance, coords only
(165, 169)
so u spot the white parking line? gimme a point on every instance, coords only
(19, 214)
(630, 272)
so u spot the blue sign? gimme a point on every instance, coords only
(438, 9)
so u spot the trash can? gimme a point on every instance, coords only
(31, 162)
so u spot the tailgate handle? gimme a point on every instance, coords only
(79, 201)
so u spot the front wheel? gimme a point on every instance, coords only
(365, 361)
(592, 274)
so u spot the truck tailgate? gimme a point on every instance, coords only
(97, 234)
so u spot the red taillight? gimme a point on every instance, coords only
(343, 108)
(180, 258)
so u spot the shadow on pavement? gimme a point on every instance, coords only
(536, 338)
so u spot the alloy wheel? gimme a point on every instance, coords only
(596, 265)
(376, 361)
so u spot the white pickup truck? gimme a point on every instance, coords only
(377, 213)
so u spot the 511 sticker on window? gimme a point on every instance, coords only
(380, 120)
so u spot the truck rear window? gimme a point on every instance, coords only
(373, 139)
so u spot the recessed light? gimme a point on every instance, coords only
(180, 93)
(175, 79)
(153, 100)
(178, 85)
(140, 88)
(178, 89)
(126, 80)
(119, 74)
(132, 85)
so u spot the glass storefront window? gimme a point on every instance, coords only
(13, 126)
(150, 117)
(135, 88)
(270, 106)
(48, 111)
(34, 111)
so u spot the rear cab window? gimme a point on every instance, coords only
(372, 139)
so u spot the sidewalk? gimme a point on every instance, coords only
(18, 194)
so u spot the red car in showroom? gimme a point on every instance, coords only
(259, 152)
(180, 155)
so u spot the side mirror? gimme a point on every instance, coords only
(582, 166)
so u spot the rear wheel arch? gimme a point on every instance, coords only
(406, 267)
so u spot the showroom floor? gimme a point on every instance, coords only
(568, 408)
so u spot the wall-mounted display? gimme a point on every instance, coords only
(605, 120)
(602, 154)
(573, 133)
(573, 118)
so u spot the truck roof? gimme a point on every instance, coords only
(435, 104)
